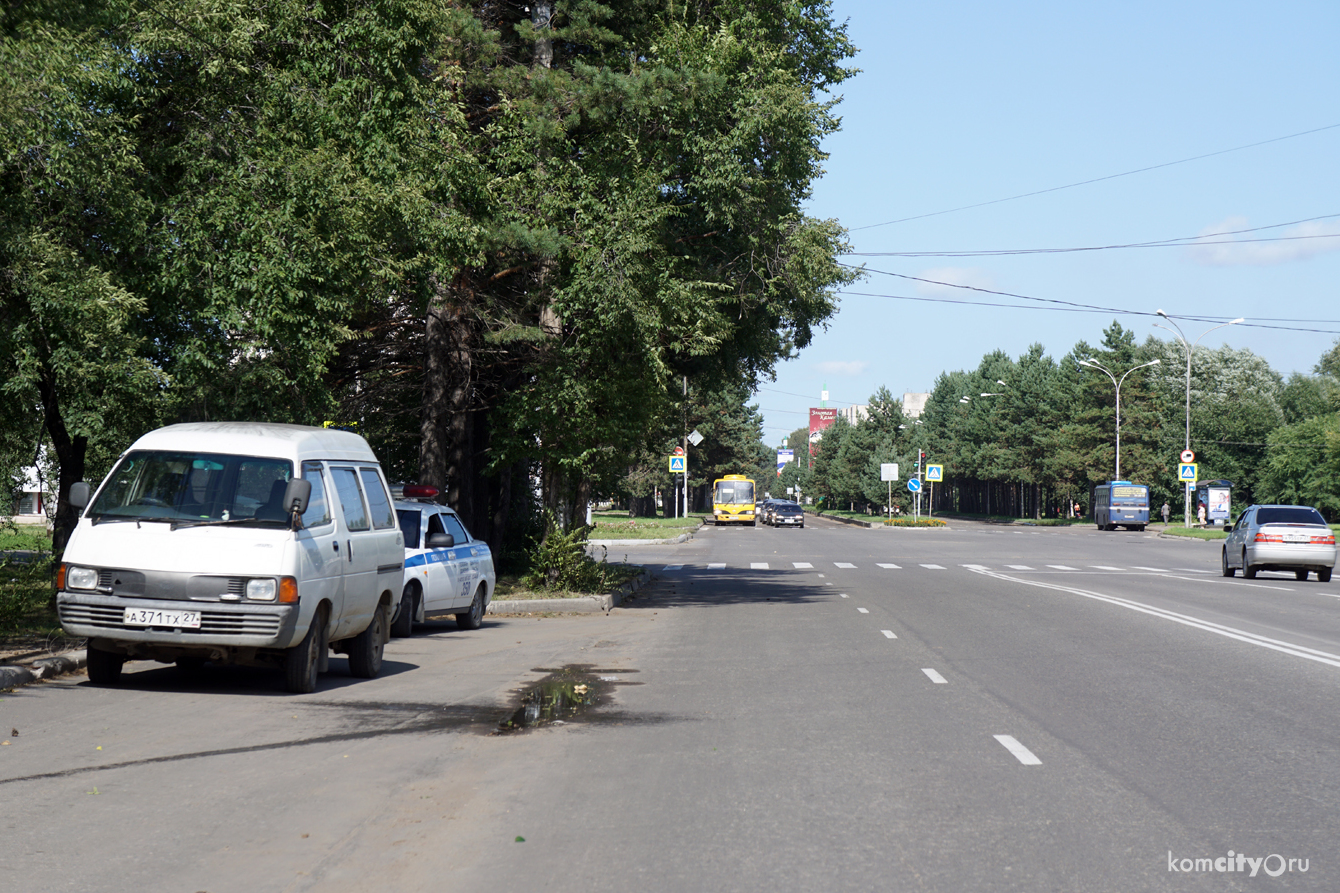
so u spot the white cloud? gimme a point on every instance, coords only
(952, 276)
(1230, 251)
(838, 367)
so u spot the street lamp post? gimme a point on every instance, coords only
(1189, 348)
(1094, 364)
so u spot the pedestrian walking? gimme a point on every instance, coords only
(1166, 511)
(1200, 514)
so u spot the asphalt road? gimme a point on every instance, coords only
(984, 708)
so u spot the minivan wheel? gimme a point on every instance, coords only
(302, 662)
(403, 624)
(1223, 562)
(474, 618)
(365, 649)
(104, 667)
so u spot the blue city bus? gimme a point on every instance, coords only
(1121, 504)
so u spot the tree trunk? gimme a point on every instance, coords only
(446, 457)
(70, 458)
(541, 16)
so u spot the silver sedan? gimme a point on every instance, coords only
(1280, 538)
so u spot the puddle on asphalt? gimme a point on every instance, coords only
(565, 695)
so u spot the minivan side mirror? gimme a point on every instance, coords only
(79, 494)
(296, 495)
(441, 541)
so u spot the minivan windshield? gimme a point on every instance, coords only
(734, 492)
(194, 488)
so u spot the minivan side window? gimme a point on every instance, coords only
(379, 503)
(318, 509)
(351, 499)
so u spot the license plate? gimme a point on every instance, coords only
(1297, 538)
(152, 617)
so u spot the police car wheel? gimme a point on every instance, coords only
(474, 618)
(403, 624)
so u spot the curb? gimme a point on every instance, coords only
(44, 668)
(683, 537)
(582, 604)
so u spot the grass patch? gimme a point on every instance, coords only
(26, 599)
(618, 526)
(919, 522)
(1197, 533)
(24, 538)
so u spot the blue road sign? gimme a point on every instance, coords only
(677, 464)
(914, 485)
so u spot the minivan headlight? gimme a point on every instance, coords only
(261, 590)
(81, 578)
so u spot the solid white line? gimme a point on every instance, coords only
(843, 564)
(843, 594)
(1228, 632)
(888, 634)
(863, 610)
(1062, 567)
(1019, 567)
(801, 564)
(1021, 753)
(934, 676)
(892, 567)
(933, 567)
(673, 567)
(721, 565)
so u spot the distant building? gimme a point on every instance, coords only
(914, 404)
(30, 503)
(854, 414)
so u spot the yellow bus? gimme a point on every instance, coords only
(733, 500)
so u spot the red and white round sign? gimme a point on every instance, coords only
(1188, 456)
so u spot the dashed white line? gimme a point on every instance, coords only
(673, 567)
(1192, 570)
(1019, 567)
(974, 567)
(933, 567)
(1103, 567)
(1062, 567)
(720, 565)
(892, 567)
(888, 634)
(801, 564)
(758, 565)
(843, 594)
(863, 610)
(1157, 570)
(934, 676)
(1021, 753)
(843, 564)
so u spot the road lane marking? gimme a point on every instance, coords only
(1228, 632)
(1062, 567)
(934, 676)
(975, 567)
(863, 610)
(843, 564)
(758, 565)
(1019, 567)
(1157, 570)
(720, 565)
(933, 567)
(1103, 567)
(1021, 753)
(801, 564)
(843, 594)
(888, 634)
(1192, 570)
(892, 567)
(673, 567)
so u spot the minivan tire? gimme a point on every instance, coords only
(403, 624)
(104, 667)
(302, 662)
(474, 618)
(365, 649)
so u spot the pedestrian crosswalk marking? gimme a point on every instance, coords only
(933, 567)
(1019, 567)
(758, 566)
(843, 564)
(1062, 567)
(976, 567)
(1103, 567)
(1157, 570)
(801, 564)
(864, 610)
(720, 565)
(674, 567)
(888, 634)
(892, 567)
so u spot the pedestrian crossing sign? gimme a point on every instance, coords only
(935, 473)
(677, 464)
(1187, 472)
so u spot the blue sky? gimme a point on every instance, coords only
(964, 103)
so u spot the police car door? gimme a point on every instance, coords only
(465, 561)
(441, 564)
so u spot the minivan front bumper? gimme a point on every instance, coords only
(222, 625)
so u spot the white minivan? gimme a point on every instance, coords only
(235, 542)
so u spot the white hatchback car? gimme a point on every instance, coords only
(447, 571)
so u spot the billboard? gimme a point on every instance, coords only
(783, 457)
(819, 420)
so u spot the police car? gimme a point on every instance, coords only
(447, 571)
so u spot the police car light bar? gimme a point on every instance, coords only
(420, 491)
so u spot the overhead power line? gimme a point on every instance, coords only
(1141, 170)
